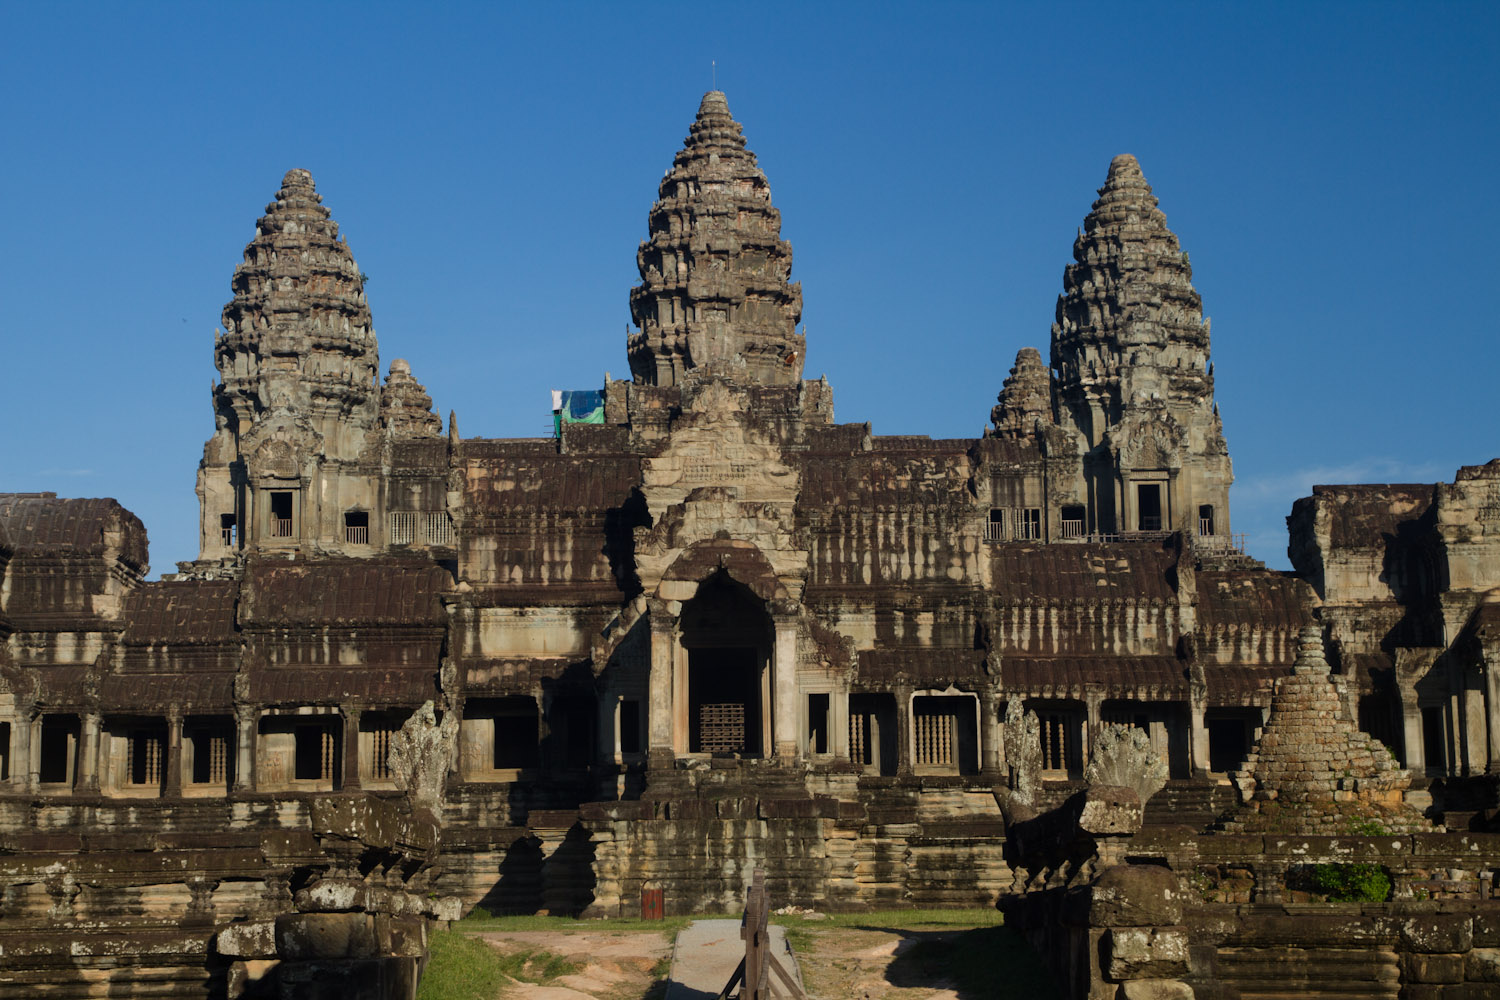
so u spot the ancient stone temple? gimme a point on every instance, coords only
(714, 629)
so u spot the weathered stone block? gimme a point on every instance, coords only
(325, 935)
(1482, 965)
(1487, 930)
(1111, 809)
(1420, 968)
(256, 939)
(1141, 952)
(1438, 934)
(1156, 989)
(1135, 896)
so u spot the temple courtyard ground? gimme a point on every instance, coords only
(892, 955)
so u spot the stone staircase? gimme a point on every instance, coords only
(1198, 804)
(1284, 973)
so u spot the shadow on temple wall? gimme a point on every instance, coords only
(619, 540)
(568, 875)
(519, 888)
(532, 880)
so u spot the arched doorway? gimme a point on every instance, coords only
(726, 636)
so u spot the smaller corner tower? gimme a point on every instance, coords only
(298, 403)
(1130, 351)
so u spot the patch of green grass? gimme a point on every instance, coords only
(536, 965)
(460, 968)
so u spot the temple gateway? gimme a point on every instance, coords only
(702, 627)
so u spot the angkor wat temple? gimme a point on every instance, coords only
(709, 628)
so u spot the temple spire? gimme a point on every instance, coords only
(714, 289)
(298, 330)
(1130, 349)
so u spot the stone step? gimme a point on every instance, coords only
(1298, 974)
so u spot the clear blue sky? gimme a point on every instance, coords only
(1329, 167)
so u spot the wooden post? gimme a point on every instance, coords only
(759, 965)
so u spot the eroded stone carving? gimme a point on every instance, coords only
(1123, 756)
(1023, 752)
(422, 752)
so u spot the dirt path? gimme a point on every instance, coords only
(854, 963)
(842, 963)
(611, 966)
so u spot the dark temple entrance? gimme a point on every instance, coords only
(727, 636)
(724, 701)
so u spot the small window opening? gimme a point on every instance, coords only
(571, 721)
(210, 754)
(4, 751)
(357, 527)
(1073, 517)
(281, 514)
(1206, 519)
(145, 753)
(516, 736)
(1148, 507)
(817, 723)
(1062, 748)
(59, 737)
(872, 732)
(630, 726)
(1031, 523)
(994, 528)
(226, 529)
(316, 749)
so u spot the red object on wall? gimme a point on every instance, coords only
(653, 905)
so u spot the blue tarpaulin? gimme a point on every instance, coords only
(576, 406)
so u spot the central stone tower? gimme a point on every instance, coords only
(714, 292)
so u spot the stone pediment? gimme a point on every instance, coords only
(1147, 440)
(719, 477)
(277, 446)
(714, 445)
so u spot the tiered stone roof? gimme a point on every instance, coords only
(714, 273)
(1313, 760)
(405, 406)
(298, 328)
(1025, 398)
(1130, 325)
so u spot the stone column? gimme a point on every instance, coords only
(991, 753)
(34, 755)
(1411, 735)
(351, 780)
(20, 752)
(173, 787)
(1198, 731)
(244, 749)
(659, 725)
(905, 752)
(784, 688)
(1476, 752)
(88, 754)
(1490, 664)
(838, 709)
